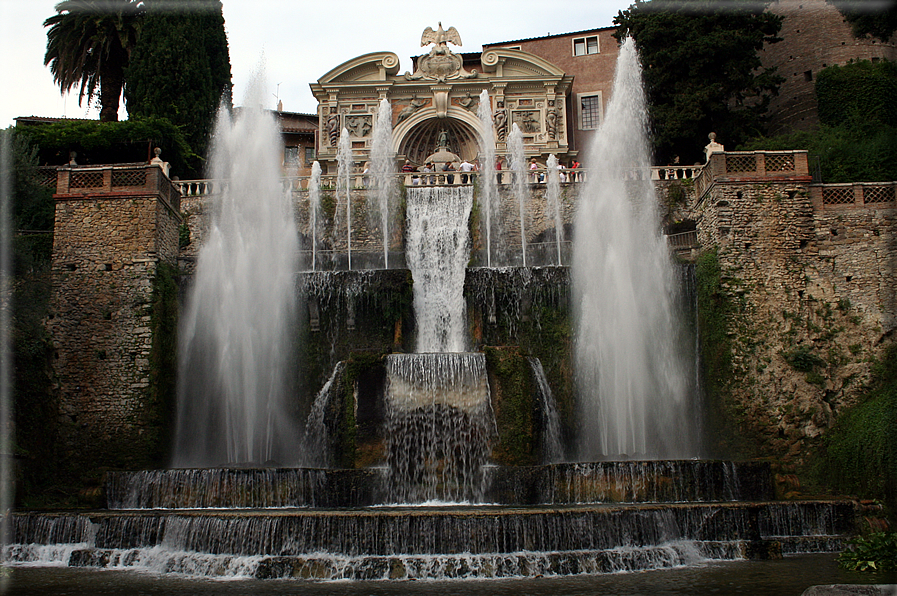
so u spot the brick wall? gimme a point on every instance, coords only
(814, 35)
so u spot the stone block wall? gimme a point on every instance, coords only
(811, 292)
(367, 237)
(108, 243)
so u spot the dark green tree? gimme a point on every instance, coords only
(870, 19)
(702, 70)
(857, 138)
(89, 43)
(180, 69)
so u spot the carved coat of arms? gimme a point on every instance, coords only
(441, 63)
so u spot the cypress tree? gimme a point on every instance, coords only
(180, 69)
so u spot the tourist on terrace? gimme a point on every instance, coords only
(449, 167)
(562, 176)
(534, 167)
(466, 167)
(409, 169)
(426, 170)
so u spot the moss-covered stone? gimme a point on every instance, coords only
(516, 407)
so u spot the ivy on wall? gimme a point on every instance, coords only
(95, 142)
(859, 455)
(861, 94)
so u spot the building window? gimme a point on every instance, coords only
(589, 111)
(309, 155)
(290, 156)
(585, 45)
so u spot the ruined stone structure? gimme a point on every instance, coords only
(114, 226)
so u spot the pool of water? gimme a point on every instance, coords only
(788, 576)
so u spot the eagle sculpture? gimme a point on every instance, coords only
(440, 37)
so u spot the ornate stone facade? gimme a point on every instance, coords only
(441, 94)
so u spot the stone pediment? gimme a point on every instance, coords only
(376, 66)
(503, 62)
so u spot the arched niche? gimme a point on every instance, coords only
(417, 137)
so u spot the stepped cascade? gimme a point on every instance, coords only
(435, 446)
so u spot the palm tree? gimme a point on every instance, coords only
(90, 42)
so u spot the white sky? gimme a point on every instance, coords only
(299, 41)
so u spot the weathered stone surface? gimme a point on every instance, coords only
(851, 590)
(107, 244)
(814, 292)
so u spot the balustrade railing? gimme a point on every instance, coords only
(119, 178)
(853, 195)
(198, 188)
(742, 165)
(683, 240)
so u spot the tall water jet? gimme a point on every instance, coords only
(633, 388)
(314, 205)
(553, 198)
(518, 167)
(236, 336)
(343, 180)
(383, 167)
(437, 251)
(487, 169)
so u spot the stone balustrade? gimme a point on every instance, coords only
(199, 188)
(854, 195)
(751, 165)
(122, 180)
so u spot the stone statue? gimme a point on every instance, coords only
(408, 110)
(441, 63)
(551, 123)
(440, 38)
(333, 127)
(469, 102)
(500, 117)
(712, 146)
(442, 141)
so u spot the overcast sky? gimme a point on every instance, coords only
(298, 41)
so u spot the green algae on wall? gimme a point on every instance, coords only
(515, 405)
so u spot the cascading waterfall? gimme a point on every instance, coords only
(317, 435)
(236, 343)
(437, 251)
(314, 206)
(383, 169)
(552, 449)
(439, 416)
(634, 394)
(553, 199)
(344, 181)
(518, 167)
(487, 169)
(439, 426)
